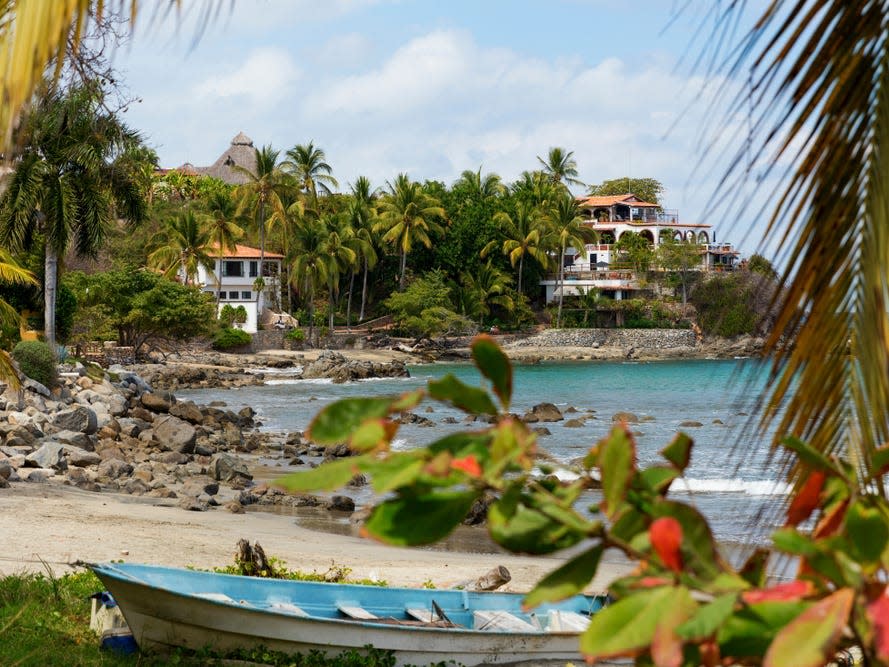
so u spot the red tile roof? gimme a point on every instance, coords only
(611, 200)
(246, 252)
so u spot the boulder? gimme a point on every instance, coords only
(690, 423)
(574, 423)
(199, 486)
(81, 458)
(79, 418)
(225, 468)
(36, 474)
(75, 439)
(235, 507)
(627, 417)
(341, 504)
(114, 468)
(49, 455)
(541, 430)
(193, 504)
(186, 410)
(545, 412)
(157, 401)
(117, 405)
(175, 433)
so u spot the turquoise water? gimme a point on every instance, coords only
(729, 478)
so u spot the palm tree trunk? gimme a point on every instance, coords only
(561, 286)
(310, 308)
(50, 282)
(403, 267)
(363, 292)
(521, 263)
(218, 280)
(259, 277)
(349, 302)
(331, 305)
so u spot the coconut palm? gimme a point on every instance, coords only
(308, 166)
(224, 232)
(261, 196)
(363, 218)
(822, 97)
(11, 272)
(567, 231)
(482, 288)
(408, 215)
(560, 166)
(70, 183)
(535, 189)
(337, 248)
(478, 186)
(524, 231)
(181, 247)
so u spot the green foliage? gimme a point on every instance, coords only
(726, 305)
(759, 264)
(647, 189)
(227, 338)
(634, 249)
(683, 604)
(297, 335)
(229, 315)
(425, 308)
(35, 360)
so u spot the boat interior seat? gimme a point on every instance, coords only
(221, 597)
(566, 621)
(355, 611)
(494, 620)
(421, 614)
(288, 608)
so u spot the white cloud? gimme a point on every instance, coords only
(265, 75)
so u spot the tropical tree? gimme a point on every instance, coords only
(647, 189)
(567, 231)
(682, 259)
(480, 186)
(339, 254)
(261, 197)
(560, 166)
(11, 272)
(308, 263)
(308, 166)
(69, 182)
(481, 289)
(524, 232)
(224, 232)
(635, 249)
(408, 215)
(181, 247)
(363, 216)
(535, 189)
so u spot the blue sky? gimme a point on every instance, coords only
(433, 87)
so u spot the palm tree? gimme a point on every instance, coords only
(309, 168)
(483, 287)
(182, 247)
(560, 166)
(535, 189)
(340, 257)
(408, 215)
(224, 233)
(11, 272)
(480, 187)
(261, 195)
(363, 218)
(524, 232)
(70, 182)
(308, 263)
(567, 231)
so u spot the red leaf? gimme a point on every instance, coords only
(792, 590)
(878, 615)
(710, 654)
(468, 464)
(806, 499)
(830, 523)
(652, 582)
(665, 534)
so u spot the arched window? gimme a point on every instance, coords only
(647, 235)
(702, 238)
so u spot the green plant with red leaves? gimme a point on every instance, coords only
(683, 604)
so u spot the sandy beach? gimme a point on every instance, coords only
(50, 526)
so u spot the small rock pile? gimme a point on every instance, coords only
(335, 366)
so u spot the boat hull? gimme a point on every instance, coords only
(163, 617)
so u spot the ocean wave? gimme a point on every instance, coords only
(299, 381)
(749, 487)
(400, 444)
(268, 370)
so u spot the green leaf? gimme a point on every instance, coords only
(569, 579)
(698, 545)
(678, 452)
(516, 524)
(754, 569)
(413, 520)
(326, 477)
(867, 531)
(371, 433)
(627, 627)
(879, 461)
(495, 366)
(469, 399)
(749, 631)
(397, 470)
(629, 524)
(461, 444)
(811, 638)
(335, 422)
(825, 563)
(808, 455)
(657, 479)
(617, 455)
(407, 401)
(708, 618)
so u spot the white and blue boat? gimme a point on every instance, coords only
(172, 607)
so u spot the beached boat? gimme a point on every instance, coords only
(168, 607)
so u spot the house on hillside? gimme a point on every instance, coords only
(235, 278)
(611, 217)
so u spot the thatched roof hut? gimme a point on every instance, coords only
(241, 153)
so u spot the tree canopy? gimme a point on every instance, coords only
(647, 189)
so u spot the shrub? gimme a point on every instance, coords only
(228, 338)
(230, 315)
(36, 361)
(297, 335)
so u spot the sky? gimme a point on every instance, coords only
(435, 87)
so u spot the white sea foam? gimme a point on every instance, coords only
(748, 487)
(298, 381)
(399, 444)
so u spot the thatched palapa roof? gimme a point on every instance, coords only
(240, 153)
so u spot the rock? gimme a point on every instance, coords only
(50, 455)
(193, 504)
(574, 423)
(186, 410)
(80, 418)
(245, 415)
(36, 474)
(225, 467)
(6, 469)
(546, 412)
(570, 409)
(718, 422)
(690, 423)
(81, 458)
(135, 487)
(644, 419)
(198, 486)
(75, 439)
(449, 420)
(628, 417)
(541, 430)
(174, 433)
(114, 468)
(234, 507)
(4, 484)
(341, 504)
(157, 401)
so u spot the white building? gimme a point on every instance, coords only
(236, 274)
(611, 217)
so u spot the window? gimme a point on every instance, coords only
(223, 296)
(253, 268)
(246, 296)
(232, 269)
(233, 295)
